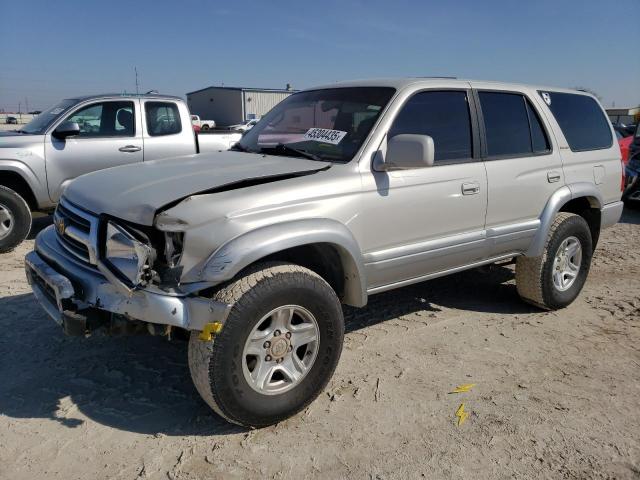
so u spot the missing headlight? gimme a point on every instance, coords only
(173, 247)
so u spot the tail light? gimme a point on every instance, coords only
(622, 178)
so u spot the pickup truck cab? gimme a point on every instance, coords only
(84, 134)
(338, 193)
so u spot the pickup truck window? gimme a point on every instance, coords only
(163, 118)
(581, 120)
(444, 116)
(347, 115)
(512, 126)
(105, 119)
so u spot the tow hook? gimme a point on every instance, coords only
(209, 331)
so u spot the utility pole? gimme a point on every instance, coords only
(19, 107)
(137, 85)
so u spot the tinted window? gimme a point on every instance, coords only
(539, 141)
(163, 118)
(581, 120)
(105, 119)
(444, 116)
(506, 124)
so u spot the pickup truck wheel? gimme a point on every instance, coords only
(205, 127)
(15, 219)
(277, 349)
(555, 279)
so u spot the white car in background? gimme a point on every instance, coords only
(244, 126)
(203, 124)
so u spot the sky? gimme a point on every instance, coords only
(57, 49)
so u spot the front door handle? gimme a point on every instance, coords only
(130, 149)
(470, 188)
(553, 176)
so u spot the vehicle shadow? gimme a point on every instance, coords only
(38, 224)
(630, 216)
(142, 384)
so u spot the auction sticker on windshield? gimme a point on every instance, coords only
(325, 135)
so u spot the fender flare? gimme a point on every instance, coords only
(243, 250)
(38, 190)
(560, 198)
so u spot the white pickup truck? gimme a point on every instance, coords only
(84, 134)
(203, 124)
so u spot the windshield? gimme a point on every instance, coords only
(329, 124)
(40, 123)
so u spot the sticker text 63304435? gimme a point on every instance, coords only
(325, 135)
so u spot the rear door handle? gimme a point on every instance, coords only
(470, 188)
(130, 149)
(553, 176)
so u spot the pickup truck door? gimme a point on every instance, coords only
(167, 129)
(427, 220)
(524, 166)
(110, 135)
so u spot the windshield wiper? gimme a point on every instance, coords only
(282, 149)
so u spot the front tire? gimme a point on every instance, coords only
(15, 219)
(277, 349)
(554, 279)
(205, 127)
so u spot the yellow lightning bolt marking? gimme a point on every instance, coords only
(463, 388)
(461, 414)
(209, 330)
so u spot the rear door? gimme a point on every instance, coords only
(165, 135)
(110, 135)
(523, 166)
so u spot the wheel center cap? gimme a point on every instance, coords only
(279, 347)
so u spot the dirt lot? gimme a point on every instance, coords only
(557, 394)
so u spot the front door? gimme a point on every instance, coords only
(427, 220)
(110, 135)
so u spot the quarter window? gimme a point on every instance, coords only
(105, 119)
(581, 120)
(444, 116)
(163, 118)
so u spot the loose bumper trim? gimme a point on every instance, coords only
(61, 285)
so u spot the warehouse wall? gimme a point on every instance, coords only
(258, 102)
(219, 104)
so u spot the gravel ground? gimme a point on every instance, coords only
(557, 394)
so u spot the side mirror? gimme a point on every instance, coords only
(408, 151)
(66, 129)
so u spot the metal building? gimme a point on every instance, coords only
(232, 105)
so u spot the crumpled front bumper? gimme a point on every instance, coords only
(71, 292)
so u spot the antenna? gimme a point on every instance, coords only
(137, 84)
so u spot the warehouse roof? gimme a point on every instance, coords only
(245, 89)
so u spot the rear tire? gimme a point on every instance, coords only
(554, 279)
(222, 369)
(15, 219)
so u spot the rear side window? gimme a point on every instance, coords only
(512, 126)
(163, 118)
(581, 120)
(444, 116)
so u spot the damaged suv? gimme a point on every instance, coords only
(338, 193)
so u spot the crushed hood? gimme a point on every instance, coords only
(136, 192)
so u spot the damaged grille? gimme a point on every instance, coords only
(75, 230)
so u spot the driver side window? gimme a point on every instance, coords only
(105, 119)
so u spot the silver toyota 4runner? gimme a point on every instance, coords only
(340, 192)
